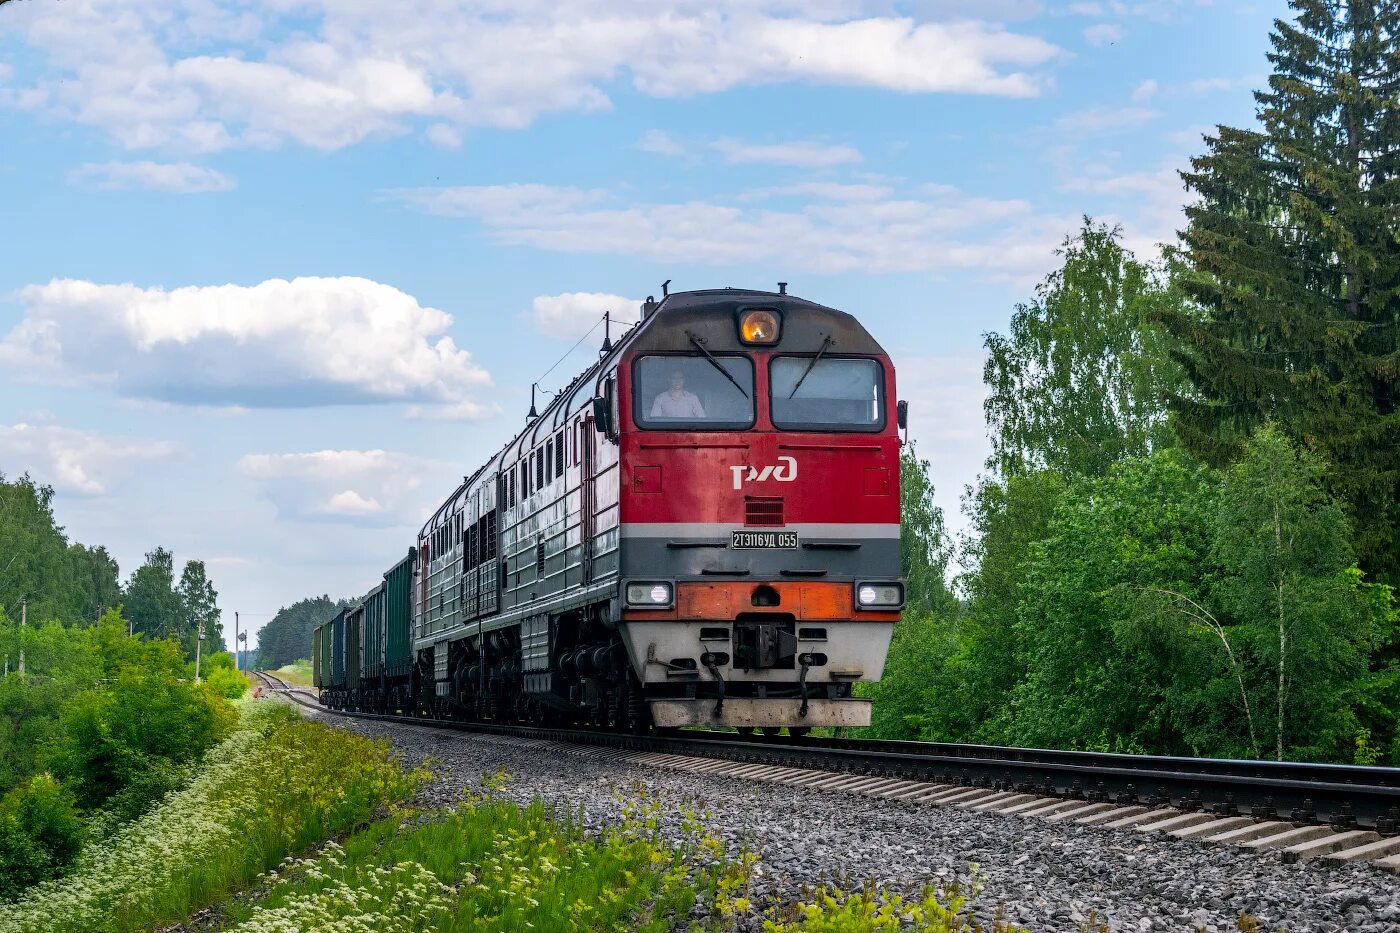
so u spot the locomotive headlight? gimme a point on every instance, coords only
(879, 595)
(759, 328)
(649, 595)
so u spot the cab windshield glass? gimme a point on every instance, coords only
(674, 392)
(832, 395)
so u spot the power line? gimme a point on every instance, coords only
(569, 351)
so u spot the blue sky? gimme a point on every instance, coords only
(277, 272)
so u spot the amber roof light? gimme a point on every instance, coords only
(759, 328)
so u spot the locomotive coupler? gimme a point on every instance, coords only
(709, 661)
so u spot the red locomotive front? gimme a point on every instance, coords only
(758, 510)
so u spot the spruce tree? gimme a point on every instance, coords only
(1296, 267)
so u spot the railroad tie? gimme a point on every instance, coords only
(1370, 850)
(1108, 816)
(1146, 816)
(1290, 838)
(1075, 813)
(1326, 845)
(1213, 828)
(1002, 805)
(1180, 821)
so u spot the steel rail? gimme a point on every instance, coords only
(1344, 796)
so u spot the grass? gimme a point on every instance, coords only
(276, 787)
(490, 865)
(298, 673)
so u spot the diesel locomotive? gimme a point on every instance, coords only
(700, 529)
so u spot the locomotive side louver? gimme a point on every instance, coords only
(763, 510)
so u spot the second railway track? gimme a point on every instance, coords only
(1340, 812)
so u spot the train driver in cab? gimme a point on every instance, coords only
(676, 402)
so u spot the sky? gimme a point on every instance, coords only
(275, 274)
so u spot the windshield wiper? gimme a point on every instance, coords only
(716, 364)
(826, 342)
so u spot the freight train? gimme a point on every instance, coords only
(702, 528)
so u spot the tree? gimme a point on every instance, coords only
(1288, 580)
(152, 604)
(1096, 676)
(199, 601)
(915, 658)
(1077, 382)
(923, 541)
(287, 637)
(1296, 267)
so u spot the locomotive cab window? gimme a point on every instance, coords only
(705, 393)
(827, 394)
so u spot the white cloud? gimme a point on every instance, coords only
(1145, 91)
(305, 342)
(330, 73)
(77, 462)
(377, 487)
(572, 314)
(799, 154)
(444, 135)
(929, 229)
(1105, 119)
(655, 141)
(179, 177)
(1153, 200)
(1103, 34)
(459, 411)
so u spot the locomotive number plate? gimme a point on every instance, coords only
(764, 539)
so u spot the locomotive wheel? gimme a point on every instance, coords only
(798, 732)
(772, 731)
(745, 732)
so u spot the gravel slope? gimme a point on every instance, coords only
(1047, 876)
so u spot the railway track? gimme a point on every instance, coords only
(1343, 813)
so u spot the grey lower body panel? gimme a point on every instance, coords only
(670, 714)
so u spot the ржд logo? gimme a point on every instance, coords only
(783, 474)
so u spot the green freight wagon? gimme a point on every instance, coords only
(398, 618)
(372, 639)
(353, 625)
(316, 657)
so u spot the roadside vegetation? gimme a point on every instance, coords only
(297, 672)
(1188, 530)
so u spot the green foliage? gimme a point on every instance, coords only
(221, 677)
(288, 636)
(63, 581)
(298, 672)
(491, 865)
(40, 834)
(60, 662)
(1289, 584)
(147, 718)
(274, 787)
(869, 910)
(1076, 383)
(1296, 270)
(160, 607)
(924, 549)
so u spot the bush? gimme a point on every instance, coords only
(40, 834)
(271, 789)
(222, 678)
(144, 720)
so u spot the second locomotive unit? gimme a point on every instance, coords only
(701, 529)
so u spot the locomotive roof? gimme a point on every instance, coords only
(715, 304)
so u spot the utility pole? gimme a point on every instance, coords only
(236, 665)
(23, 621)
(199, 644)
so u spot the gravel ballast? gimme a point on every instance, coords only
(1043, 875)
